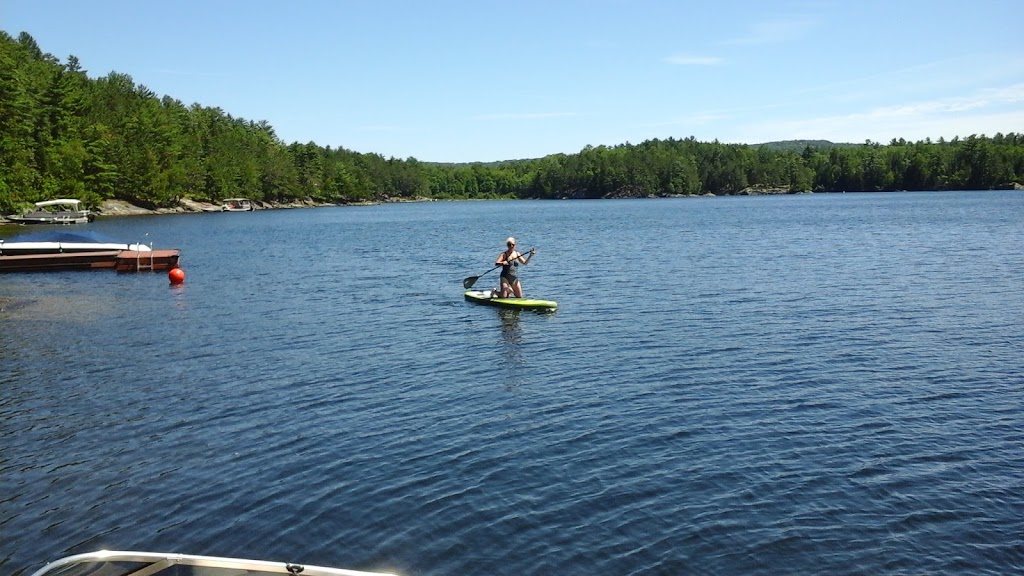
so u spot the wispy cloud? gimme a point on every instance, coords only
(986, 111)
(1010, 94)
(926, 77)
(773, 31)
(692, 60)
(524, 115)
(981, 100)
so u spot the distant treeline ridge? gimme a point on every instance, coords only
(64, 134)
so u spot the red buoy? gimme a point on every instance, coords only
(176, 275)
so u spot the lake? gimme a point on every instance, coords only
(809, 384)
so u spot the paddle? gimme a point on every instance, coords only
(468, 282)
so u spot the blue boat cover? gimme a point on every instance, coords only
(61, 236)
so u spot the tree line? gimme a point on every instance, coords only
(64, 134)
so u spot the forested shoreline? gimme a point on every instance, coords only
(64, 134)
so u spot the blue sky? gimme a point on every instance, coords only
(462, 80)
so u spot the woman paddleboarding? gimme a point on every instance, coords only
(509, 260)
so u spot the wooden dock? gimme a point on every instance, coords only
(119, 260)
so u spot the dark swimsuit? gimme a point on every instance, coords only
(508, 271)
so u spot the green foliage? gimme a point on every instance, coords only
(64, 134)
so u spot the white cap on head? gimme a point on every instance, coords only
(510, 240)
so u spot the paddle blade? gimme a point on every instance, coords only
(468, 282)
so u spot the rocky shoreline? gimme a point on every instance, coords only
(186, 206)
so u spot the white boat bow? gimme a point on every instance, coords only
(114, 563)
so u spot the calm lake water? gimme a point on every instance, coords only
(819, 384)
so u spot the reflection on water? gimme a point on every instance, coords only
(510, 325)
(512, 351)
(178, 295)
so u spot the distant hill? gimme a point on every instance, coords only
(492, 164)
(799, 145)
(782, 146)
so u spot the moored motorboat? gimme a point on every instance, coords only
(238, 205)
(59, 211)
(114, 563)
(58, 250)
(489, 298)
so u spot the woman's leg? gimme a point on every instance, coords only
(517, 288)
(506, 290)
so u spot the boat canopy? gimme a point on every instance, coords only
(59, 202)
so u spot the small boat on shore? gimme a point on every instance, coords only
(238, 205)
(59, 211)
(112, 563)
(58, 250)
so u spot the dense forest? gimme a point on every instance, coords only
(64, 134)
